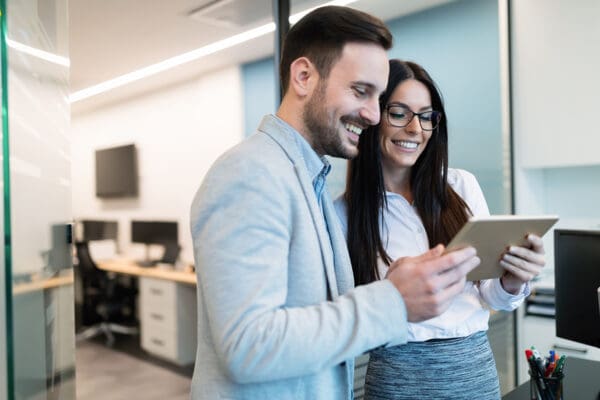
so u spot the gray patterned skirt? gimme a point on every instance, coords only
(458, 368)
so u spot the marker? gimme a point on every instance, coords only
(560, 365)
(536, 370)
(550, 369)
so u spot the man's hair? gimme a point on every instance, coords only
(322, 34)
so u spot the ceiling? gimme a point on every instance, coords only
(110, 38)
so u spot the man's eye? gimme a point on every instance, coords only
(359, 91)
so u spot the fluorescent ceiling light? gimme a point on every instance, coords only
(41, 54)
(189, 56)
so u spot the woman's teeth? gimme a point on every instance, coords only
(405, 144)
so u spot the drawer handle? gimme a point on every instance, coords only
(568, 348)
(156, 291)
(157, 342)
(156, 316)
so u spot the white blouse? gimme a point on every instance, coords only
(403, 234)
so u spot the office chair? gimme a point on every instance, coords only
(171, 253)
(106, 302)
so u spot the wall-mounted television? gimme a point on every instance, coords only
(116, 172)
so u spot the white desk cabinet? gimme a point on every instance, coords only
(168, 319)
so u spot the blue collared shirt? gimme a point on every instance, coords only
(318, 167)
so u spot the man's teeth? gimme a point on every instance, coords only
(353, 128)
(406, 145)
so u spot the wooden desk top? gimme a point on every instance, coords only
(129, 267)
(44, 283)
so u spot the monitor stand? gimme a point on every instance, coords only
(147, 262)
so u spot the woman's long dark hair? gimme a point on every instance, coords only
(441, 209)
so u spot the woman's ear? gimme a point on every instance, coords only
(303, 76)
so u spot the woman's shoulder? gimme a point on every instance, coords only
(461, 180)
(466, 186)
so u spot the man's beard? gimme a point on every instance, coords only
(324, 132)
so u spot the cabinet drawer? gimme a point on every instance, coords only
(158, 293)
(159, 316)
(159, 341)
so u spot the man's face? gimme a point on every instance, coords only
(347, 102)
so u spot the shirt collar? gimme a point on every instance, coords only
(316, 165)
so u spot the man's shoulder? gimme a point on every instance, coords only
(257, 150)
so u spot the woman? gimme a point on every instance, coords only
(401, 199)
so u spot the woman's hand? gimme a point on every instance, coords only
(522, 264)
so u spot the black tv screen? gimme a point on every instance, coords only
(116, 172)
(577, 279)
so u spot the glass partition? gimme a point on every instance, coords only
(38, 290)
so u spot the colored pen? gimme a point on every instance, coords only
(536, 372)
(560, 365)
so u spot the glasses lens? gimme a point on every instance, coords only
(399, 116)
(429, 120)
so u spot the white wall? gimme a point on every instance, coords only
(555, 99)
(179, 131)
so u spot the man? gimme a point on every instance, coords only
(278, 315)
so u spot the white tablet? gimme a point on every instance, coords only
(492, 235)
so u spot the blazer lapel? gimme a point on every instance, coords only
(288, 144)
(327, 249)
(343, 267)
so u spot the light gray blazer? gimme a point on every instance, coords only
(271, 321)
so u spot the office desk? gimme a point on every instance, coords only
(167, 309)
(581, 382)
(129, 267)
(37, 284)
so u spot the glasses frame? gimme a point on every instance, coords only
(436, 117)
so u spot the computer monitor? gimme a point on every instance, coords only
(98, 230)
(156, 232)
(577, 279)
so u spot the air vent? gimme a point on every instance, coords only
(232, 13)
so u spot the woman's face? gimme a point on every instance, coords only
(401, 147)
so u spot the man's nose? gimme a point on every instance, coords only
(370, 112)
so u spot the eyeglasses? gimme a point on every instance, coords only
(400, 116)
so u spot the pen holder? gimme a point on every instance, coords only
(546, 388)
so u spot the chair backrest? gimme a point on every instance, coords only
(86, 265)
(171, 253)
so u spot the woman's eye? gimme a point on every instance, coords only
(426, 117)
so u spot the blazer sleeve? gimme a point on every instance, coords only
(241, 233)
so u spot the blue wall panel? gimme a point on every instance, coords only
(458, 43)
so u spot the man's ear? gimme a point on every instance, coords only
(303, 76)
